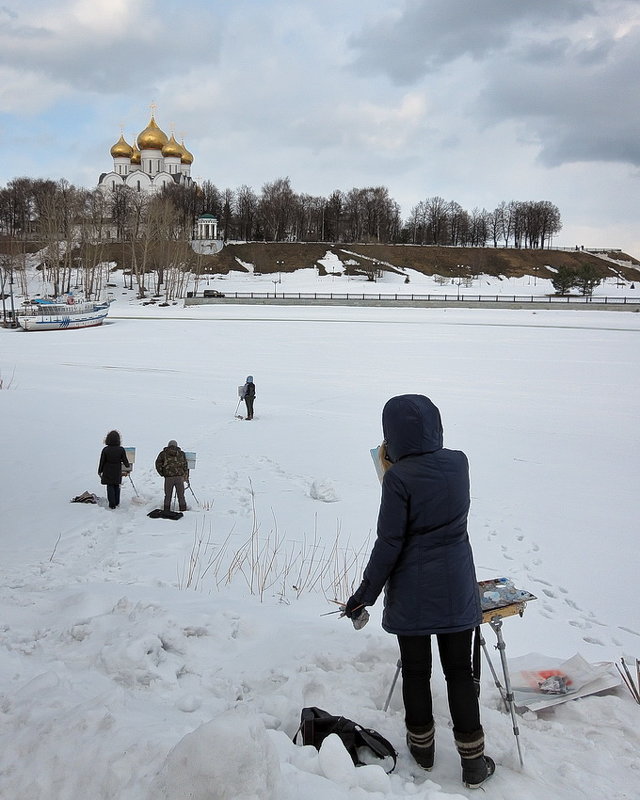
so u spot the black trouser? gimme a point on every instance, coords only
(113, 494)
(170, 483)
(249, 404)
(455, 657)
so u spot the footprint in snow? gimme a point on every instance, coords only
(591, 640)
(628, 630)
(504, 553)
(544, 583)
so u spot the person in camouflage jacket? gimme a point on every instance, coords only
(171, 464)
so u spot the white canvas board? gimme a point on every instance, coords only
(529, 671)
(131, 457)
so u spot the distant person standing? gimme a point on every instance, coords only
(112, 459)
(172, 465)
(249, 395)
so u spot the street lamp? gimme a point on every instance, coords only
(458, 280)
(275, 282)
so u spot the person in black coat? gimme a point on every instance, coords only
(249, 395)
(112, 459)
(422, 558)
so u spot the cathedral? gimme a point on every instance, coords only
(153, 161)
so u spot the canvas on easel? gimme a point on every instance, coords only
(131, 458)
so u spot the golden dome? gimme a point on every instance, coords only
(172, 149)
(135, 156)
(152, 138)
(121, 149)
(187, 157)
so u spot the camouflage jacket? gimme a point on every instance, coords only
(172, 463)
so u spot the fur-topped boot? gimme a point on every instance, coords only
(476, 767)
(422, 746)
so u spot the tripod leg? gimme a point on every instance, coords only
(393, 685)
(193, 493)
(496, 680)
(496, 624)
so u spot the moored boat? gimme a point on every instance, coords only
(51, 315)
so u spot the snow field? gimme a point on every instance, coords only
(117, 683)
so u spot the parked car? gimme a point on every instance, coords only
(212, 293)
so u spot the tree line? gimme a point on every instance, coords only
(276, 213)
(72, 226)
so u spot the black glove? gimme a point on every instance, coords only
(354, 607)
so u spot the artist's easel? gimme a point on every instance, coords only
(126, 471)
(492, 616)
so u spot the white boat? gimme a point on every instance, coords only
(53, 315)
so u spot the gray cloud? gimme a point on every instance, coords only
(83, 56)
(579, 101)
(430, 33)
(564, 70)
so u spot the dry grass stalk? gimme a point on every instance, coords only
(268, 561)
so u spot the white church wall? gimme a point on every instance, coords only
(139, 181)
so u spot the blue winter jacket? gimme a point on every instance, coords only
(422, 555)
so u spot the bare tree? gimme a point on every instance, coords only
(459, 224)
(333, 216)
(91, 238)
(227, 218)
(246, 212)
(209, 199)
(436, 220)
(416, 224)
(277, 203)
(478, 227)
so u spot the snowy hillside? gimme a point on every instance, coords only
(396, 280)
(149, 659)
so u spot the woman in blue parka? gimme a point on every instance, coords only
(422, 558)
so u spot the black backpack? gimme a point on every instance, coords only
(316, 725)
(159, 513)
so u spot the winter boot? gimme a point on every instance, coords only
(422, 746)
(475, 771)
(476, 767)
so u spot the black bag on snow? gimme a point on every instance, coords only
(158, 513)
(316, 725)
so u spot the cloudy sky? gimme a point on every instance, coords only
(477, 101)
